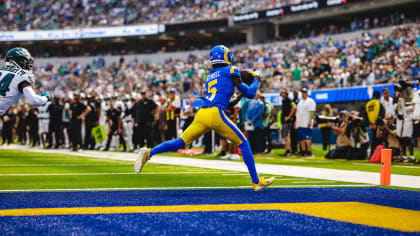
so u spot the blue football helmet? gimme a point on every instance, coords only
(221, 55)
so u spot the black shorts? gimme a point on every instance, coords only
(405, 140)
(417, 130)
(285, 129)
(395, 152)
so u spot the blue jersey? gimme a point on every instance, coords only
(220, 87)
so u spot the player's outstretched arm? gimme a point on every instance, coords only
(36, 100)
(248, 91)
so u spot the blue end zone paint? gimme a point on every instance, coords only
(381, 196)
(197, 223)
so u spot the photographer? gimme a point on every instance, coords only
(343, 146)
(359, 138)
(388, 133)
(375, 112)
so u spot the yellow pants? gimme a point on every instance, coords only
(212, 118)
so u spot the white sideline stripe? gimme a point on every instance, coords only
(379, 164)
(36, 165)
(312, 182)
(176, 188)
(280, 179)
(121, 173)
(352, 176)
(236, 174)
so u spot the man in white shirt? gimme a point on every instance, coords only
(305, 112)
(388, 102)
(416, 117)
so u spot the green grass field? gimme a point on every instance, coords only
(34, 171)
(320, 162)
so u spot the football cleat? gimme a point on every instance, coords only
(225, 157)
(142, 158)
(234, 157)
(262, 184)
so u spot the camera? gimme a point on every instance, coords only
(320, 119)
(402, 85)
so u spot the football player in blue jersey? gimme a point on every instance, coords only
(220, 85)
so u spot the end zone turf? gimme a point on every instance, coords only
(274, 211)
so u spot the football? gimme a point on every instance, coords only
(247, 76)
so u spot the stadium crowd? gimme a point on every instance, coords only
(42, 14)
(111, 90)
(366, 60)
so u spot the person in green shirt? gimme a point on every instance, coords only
(297, 76)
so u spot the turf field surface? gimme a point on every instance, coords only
(179, 200)
(275, 211)
(33, 171)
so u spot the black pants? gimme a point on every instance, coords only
(375, 142)
(76, 134)
(54, 129)
(294, 140)
(143, 132)
(89, 140)
(358, 153)
(155, 138)
(7, 133)
(121, 136)
(134, 136)
(171, 132)
(207, 142)
(267, 139)
(256, 142)
(326, 136)
(338, 153)
(21, 133)
(33, 133)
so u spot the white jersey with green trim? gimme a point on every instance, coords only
(10, 78)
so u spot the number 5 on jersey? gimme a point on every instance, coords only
(212, 89)
(5, 83)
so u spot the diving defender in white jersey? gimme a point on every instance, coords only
(16, 79)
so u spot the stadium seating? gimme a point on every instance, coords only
(42, 14)
(372, 58)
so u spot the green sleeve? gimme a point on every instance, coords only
(279, 119)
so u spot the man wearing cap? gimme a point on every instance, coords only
(173, 110)
(77, 112)
(288, 117)
(305, 112)
(92, 120)
(146, 111)
(55, 111)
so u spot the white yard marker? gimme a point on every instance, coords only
(40, 165)
(312, 182)
(116, 173)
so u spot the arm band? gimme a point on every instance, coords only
(32, 98)
(249, 91)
